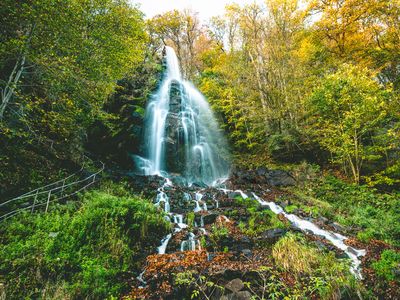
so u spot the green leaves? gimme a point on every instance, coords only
(388, 264)
(347, 113)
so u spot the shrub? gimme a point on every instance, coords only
(387, 265)
(292, 255)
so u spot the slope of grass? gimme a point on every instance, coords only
(87, 249)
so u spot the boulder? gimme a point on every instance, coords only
(235, 285)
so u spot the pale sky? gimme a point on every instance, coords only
(205, 8)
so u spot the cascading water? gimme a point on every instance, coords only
(181, 134)
(182, 140)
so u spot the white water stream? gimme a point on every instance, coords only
(336, 239)
(201, 141)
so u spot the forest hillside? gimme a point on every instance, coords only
(254, 155)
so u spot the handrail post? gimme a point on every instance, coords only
(62, 188)
(94, 178)
(34, 201)
(48, 201)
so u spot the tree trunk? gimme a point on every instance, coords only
(11, 85)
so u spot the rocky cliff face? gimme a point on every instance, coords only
(174, 143)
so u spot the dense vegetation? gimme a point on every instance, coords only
(59, 62)
(312, 87)
(89, 248)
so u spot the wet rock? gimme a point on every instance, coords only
(273, 233)
(235, 285)
(340, 254)
(200, 184)
(323, 220)
(295, 229)
(174, 148)
(146, 184)
(337, 227)
(175, 96)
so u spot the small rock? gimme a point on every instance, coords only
(235, 285)
(337, 227)
(273, 233)
(323, 220)
(247, 253)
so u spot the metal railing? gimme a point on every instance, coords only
(53, 192)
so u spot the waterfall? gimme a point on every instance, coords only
(181, 134)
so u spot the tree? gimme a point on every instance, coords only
(182, 31)
(365, 32)
(347, 114)
(261, 44)
(59, 62)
